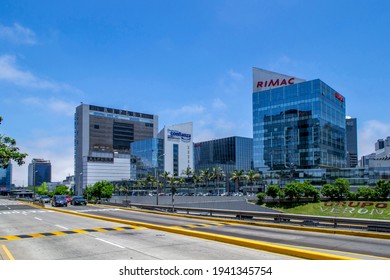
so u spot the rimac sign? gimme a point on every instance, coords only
(264, 80)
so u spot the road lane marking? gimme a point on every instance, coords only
(108, 242)
(39, 219)
(7, 252)
(62, 227)
(66, 232)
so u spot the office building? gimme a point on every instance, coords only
(296, 123)
(39, 172)
(102, 142)
(5, 180)
(178, 148)
(231, 153)
(147, 158)
(352, 144)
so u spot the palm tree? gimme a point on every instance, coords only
(165, 175)
(205, 176)
(196, 179)
(252, 176)
(189, 173)
(236, 176)
(216, 175)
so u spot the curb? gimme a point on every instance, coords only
(261, 224)
(284, 250)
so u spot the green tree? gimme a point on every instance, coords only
(43, 189)
(216, 175)
(9, 151)
(61, 189)
(165, 176)
(272, 191)
(382, 189)
(252, 177)
(205, 176)
(236, 177)
(102, 189)
(260, 198)
(366, 193)
(294, 190)
(310, 191)
(342, 187)
(172, 183)
(330, 191)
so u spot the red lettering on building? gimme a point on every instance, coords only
(274, 83)
(339, 96)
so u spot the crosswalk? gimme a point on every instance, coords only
(8, 202)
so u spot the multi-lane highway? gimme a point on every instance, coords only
(27, 232)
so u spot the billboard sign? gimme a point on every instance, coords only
(265, 80)
(176, 135)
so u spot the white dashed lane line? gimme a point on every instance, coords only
(108, 242)
(62, 227)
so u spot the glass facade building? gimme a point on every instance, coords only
(352, 145)
(5, 179)
(232, 153)
(39, 171)
(299, 125)
(147, 158)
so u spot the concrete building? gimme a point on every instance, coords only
(178, 148)
(102, 142)
(352, 143)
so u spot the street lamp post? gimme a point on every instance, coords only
(156, 177)
(35, 180)
(80, 186)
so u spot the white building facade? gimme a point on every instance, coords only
(178, 148)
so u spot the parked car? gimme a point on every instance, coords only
(79, 200)
(44, 199)
(68, 198)
(59, 200)
(37, 198)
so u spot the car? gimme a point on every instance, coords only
(44, 199)
(37, 198)
(79, 200)
(68, 199)
(59, 200)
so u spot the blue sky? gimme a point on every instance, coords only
(183, 61)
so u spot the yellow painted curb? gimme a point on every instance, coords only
(284, 250)
(262, 224)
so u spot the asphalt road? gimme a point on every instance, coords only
(158, 244)
(28, 233)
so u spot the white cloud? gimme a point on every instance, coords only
(218, 104)
(10, 72)
(369, 132)
(53, 104)
(232, 83)
(57, 149)
(185, 110)
(18, 34)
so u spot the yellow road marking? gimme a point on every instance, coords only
(7, 252)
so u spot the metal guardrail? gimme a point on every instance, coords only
(304, 220)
